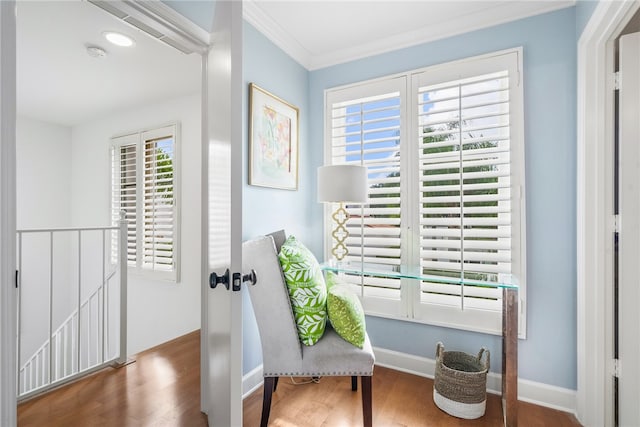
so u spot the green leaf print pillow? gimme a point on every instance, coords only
(307, 290)
(346, 314)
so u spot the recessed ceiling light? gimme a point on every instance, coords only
(118, 39)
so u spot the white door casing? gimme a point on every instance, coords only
(629, 238)
(221, 334)
(594, 207)
(8, 294)
(222, 399)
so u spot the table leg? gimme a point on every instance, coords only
(510, 357)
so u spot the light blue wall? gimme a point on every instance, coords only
(266, 210)
(584, 10)
(200, 12)
(548, 355)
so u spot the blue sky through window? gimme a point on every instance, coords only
(373, 128)
(376, 124)
(166, 146)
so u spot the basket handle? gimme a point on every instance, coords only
(439, 350)
(484, 351)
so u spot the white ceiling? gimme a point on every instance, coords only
(321, 33)
(58, 82)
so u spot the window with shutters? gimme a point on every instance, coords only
(444, 148)
(144, 187)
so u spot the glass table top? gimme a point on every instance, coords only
(505, 281)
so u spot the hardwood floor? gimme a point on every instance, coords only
(162, 388)
(399, 400)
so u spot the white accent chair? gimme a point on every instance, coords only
(282, 352)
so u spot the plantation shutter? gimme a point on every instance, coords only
(158, 233)
(124, 191)
(144, 184)
(444, 150)
(367, 131)
(466, 193)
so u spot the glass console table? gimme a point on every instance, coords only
(509, 287)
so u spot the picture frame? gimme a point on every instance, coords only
(273, 140)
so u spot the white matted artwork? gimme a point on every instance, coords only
(273, 140)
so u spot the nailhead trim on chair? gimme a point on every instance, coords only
(307, 374)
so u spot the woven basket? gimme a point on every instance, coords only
(460, 385)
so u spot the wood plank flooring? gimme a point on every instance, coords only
(399, 400)
(162, 388)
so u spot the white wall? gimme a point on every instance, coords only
(43, 175)
(158, 311)
(43, 200)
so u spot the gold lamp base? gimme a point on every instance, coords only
(340, 233)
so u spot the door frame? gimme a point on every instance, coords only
(8, 294)
(628, 244)
(594, 210)
(155, 14)
(222, 98)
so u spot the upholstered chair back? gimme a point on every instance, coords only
(281, 347)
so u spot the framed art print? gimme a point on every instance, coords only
(273, 140)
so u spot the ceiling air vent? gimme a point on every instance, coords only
(105, 5)
(175, 44)
(159, 21)
(147, 29)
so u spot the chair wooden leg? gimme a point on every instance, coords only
(269, 386)
(367, 407)
(275, 384)
(354, 383)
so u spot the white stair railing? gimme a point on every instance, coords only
(92, 336)
(34, 372)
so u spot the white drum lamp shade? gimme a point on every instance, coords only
(342, 184)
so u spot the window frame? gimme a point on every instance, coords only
(141, 139)
(409, 307)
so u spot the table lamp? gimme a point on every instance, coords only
(341, 184)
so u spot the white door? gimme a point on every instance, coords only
(629, 239)
(7, 213)
(221, 354)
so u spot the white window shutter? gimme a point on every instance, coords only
(465, 202)
(145, 186)
(446, 188)
(367, 131)
(158, 231)
(124, 191)
(468, 227)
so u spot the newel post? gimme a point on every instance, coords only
(122, 260)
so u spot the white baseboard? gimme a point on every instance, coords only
(528, 391)
(562, 399)
(251, 381)
(559, 398)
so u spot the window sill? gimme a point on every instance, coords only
(168, 277)
(484, 327)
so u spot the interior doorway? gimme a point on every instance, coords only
(626, 335)
(76, 91)
(597, 224)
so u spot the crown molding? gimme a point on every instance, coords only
(262, 22)
(506, 12)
